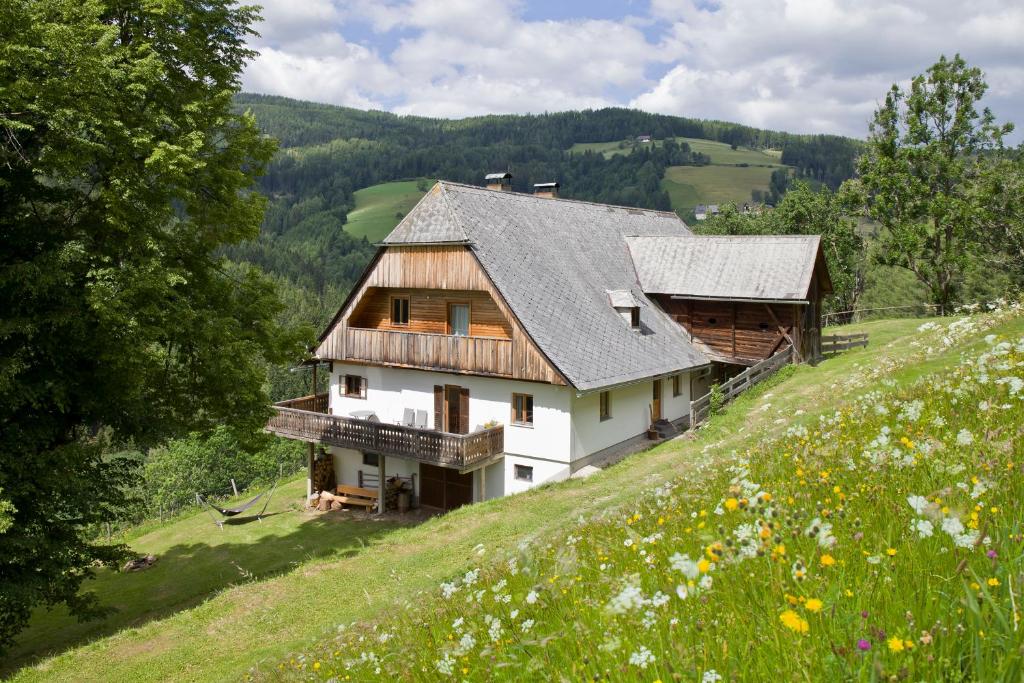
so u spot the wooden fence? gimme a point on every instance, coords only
(834, 343)
(732, 388)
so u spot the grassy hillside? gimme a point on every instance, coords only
(196, 560)
(259, 623)
(877, 540)
(377, 208)
(688, 186)
(719, 152)
(730, 178)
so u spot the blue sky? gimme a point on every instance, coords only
(795, 65)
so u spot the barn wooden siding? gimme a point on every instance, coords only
(451, 271)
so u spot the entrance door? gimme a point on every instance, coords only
(656, 401)
(444, 488)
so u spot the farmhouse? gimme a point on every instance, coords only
(500, 340)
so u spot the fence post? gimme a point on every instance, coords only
(233, 487)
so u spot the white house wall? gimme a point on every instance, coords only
(389, 391)
(630, 414)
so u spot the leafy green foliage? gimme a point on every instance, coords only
(206, 464)
(122, 171)
(929, 177)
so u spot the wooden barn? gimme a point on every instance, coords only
(740, 299)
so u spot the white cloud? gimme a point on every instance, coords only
(797, 65)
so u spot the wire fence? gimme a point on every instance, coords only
(919, 310)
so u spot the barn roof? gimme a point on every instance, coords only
(727, 267)
(555, 261)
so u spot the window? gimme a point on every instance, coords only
(677, 385)
(606, 405)
(712, 321)
(522, 409)
(634, 317)
(371, 460)
(354, 386)
(458, 319)
(399, 310)
(524, 473)
(764, 327)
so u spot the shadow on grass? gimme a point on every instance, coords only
(196, 562)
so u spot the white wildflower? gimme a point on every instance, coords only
(446, 665)
(952, 526)
(683, 564)
(531, 597)
(628, 599)
(682, 592)
(526, 625)
(964, 438)
(923, 528)
(710, 676)
(642, 658)
(918, 503)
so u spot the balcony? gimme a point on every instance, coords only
(305, 419)
(478, 355)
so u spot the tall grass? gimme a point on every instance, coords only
(880, 540)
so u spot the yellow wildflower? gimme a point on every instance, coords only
(827, 560)
(891, 552)
(896, 644)
(813, 605)
(993, 582)
(793, 621)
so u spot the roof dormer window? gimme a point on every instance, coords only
(626, 305)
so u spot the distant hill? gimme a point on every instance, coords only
(342, 176)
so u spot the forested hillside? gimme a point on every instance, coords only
(328, 153)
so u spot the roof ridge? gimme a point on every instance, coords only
(451, 212)
(565, 199)
(729, 237)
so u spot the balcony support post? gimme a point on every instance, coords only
(381, 503)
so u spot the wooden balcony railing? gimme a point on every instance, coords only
(425, 445)
(484, 355)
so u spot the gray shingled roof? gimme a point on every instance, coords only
(727, 267)
(430, 222)
(554, 261)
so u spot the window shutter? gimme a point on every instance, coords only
(362, 387)
(464, 411)
(439, 408)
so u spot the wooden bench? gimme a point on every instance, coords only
(355, 495)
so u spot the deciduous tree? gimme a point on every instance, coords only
(122, 171)
(927, 175)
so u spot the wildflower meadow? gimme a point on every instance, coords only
(880, 540)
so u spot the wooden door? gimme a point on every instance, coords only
(656, 401)
(451, 404)
(444, 488)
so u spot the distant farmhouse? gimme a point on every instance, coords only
(501, 340)
(643, 138)
(702, 211)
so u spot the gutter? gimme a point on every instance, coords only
(629, 383)
(797, 302)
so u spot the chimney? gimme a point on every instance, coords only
(549, 190)
(499, 181)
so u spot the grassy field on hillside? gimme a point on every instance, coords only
(688, 186)
(377, 207)
(720, 152)
(257, 624)
(195, 561)
(877, 540)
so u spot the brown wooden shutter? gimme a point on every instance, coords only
(463, 411)
(438, 408)
(362, 387)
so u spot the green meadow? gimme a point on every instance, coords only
(299, 576)
(378, 208)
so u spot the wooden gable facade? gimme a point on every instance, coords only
(427, 281)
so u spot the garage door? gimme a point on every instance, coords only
(444, 488)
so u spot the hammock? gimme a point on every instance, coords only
(231, 512)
